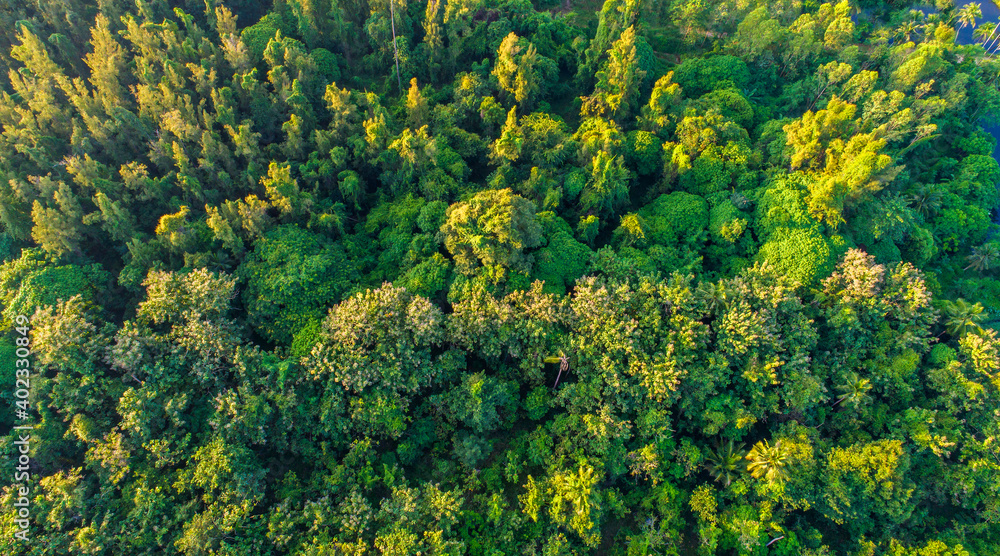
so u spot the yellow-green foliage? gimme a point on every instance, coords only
(342, 326)
(780, 204)
(36, 280)
(803, 254)
(492, 228)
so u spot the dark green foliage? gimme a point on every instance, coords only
(480, 401)
(292, 276)
(326, 64)
(428, 278)
(257, 36)
(563, 259)
(698, 76)
(644, 152)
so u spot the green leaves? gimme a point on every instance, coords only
(35, 280)
(491, 228)
(726, 462)
(865, 480)
(381, 346)
(963, 317)
(292, 276)
(846, 162)
(617, 89)
(712, 293)
(768, 462)
(854, 390)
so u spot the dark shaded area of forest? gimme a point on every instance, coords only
(493, 277)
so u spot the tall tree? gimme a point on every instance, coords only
(617, 89)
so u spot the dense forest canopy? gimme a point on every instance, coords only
(494, 277)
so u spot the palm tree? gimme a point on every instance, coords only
(906, 29)
(963, 317)
(563, 365)
(983, 257)
(984, 32)
(574, 488)
(769, 462)
(855, 390)
(882, 35)
(219, 261)
(723, 464)
(968, 14)
(926, 199)
(715, 295)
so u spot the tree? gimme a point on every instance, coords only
(491, 228)
(968, 14)
(803, 254)
(291, 277)
(963, 317)
(615, 17)
(381, 346)
(59, 229)
(417, 112)
(846, 164)
(118, 220)
(474, 323)
(864, 480)
(573, 501)
(662, 112)
(723, 464)
(983, 257)
(54, 230)
(432, 37)
(524, 326)
(481, 402)
(176, 298)
(854, 390)
(283, 191)
(617, 88)
(692, 16)
(507, 147)
(563, 259)
(984, 32)
(769, 462)
(607, 189)
(35, 280)
(518, 75)
(907, 29)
